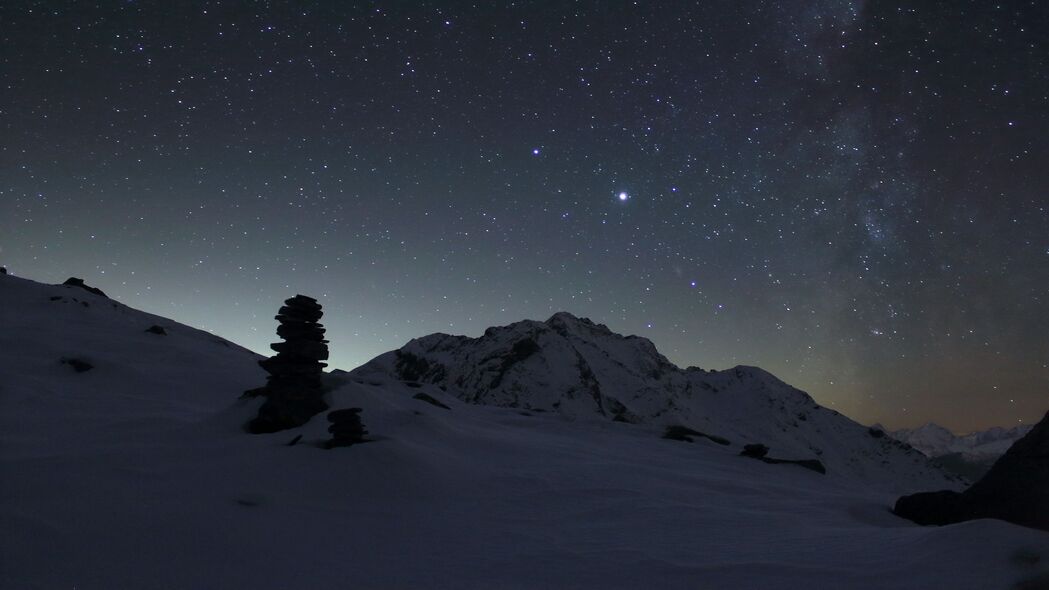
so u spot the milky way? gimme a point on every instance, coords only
(854, 196)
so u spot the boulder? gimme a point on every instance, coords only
(79, 365)
(79, 283)
(755, 451)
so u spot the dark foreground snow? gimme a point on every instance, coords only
(136, 474)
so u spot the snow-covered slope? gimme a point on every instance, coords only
(936, 441)
(138, 379)
(580, 369)
(137, 474)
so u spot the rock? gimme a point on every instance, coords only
(939, 508)
(1016, 489)
(294, 392)
(75, 282)
(3, 270)
(758, 451)
(754, 451)
(79, 365)
(425, 397)
(876, 432)
(810, 464)
(684, 433)
(158, 330)
(346, 428)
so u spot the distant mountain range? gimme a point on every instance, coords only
(970, 455)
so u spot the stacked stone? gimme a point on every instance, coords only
(293, 389)
(346, 428)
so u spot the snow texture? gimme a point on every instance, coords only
(136, 473)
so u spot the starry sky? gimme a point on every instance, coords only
(852, 195)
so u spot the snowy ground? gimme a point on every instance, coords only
(136, 474)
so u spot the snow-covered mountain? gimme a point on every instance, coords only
(968, 455)
(124, 464)
(583, 370)
(934, 440)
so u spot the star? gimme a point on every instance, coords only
(623, 196)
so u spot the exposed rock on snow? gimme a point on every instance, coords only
(755, 451)
(425, 397)
(79, 365)
(760, 452)
(346, 428)
(684, 433)
(1016, 489)
(75, 282)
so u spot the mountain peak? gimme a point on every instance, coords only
(580, 369)
(564, 321)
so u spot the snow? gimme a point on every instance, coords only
(584, 370)
(136, 474)
(934, 440)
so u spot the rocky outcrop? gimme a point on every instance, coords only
(1016, 489)
(79, 365)
(759, 451)
(75, 282)
(686, 434)
(293, 390)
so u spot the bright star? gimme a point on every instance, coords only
(623, 196)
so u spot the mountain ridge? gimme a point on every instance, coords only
(582, 370)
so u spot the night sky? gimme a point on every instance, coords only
(852, 195)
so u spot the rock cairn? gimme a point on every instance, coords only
(346, 428)
(293, 389)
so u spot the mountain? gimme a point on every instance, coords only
(1016, 489)
(969, 455)
(583, 370)
(934, 440)
(128, 466)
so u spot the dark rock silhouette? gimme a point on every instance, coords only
(758, 451)
(79, 365)
(346, 428)
(75, 282)
(425, 397)
(3, 270)
(684, 433)
(158, 330)
(293, 390)
(810, 464)
(755, 451)
(1016, 489)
